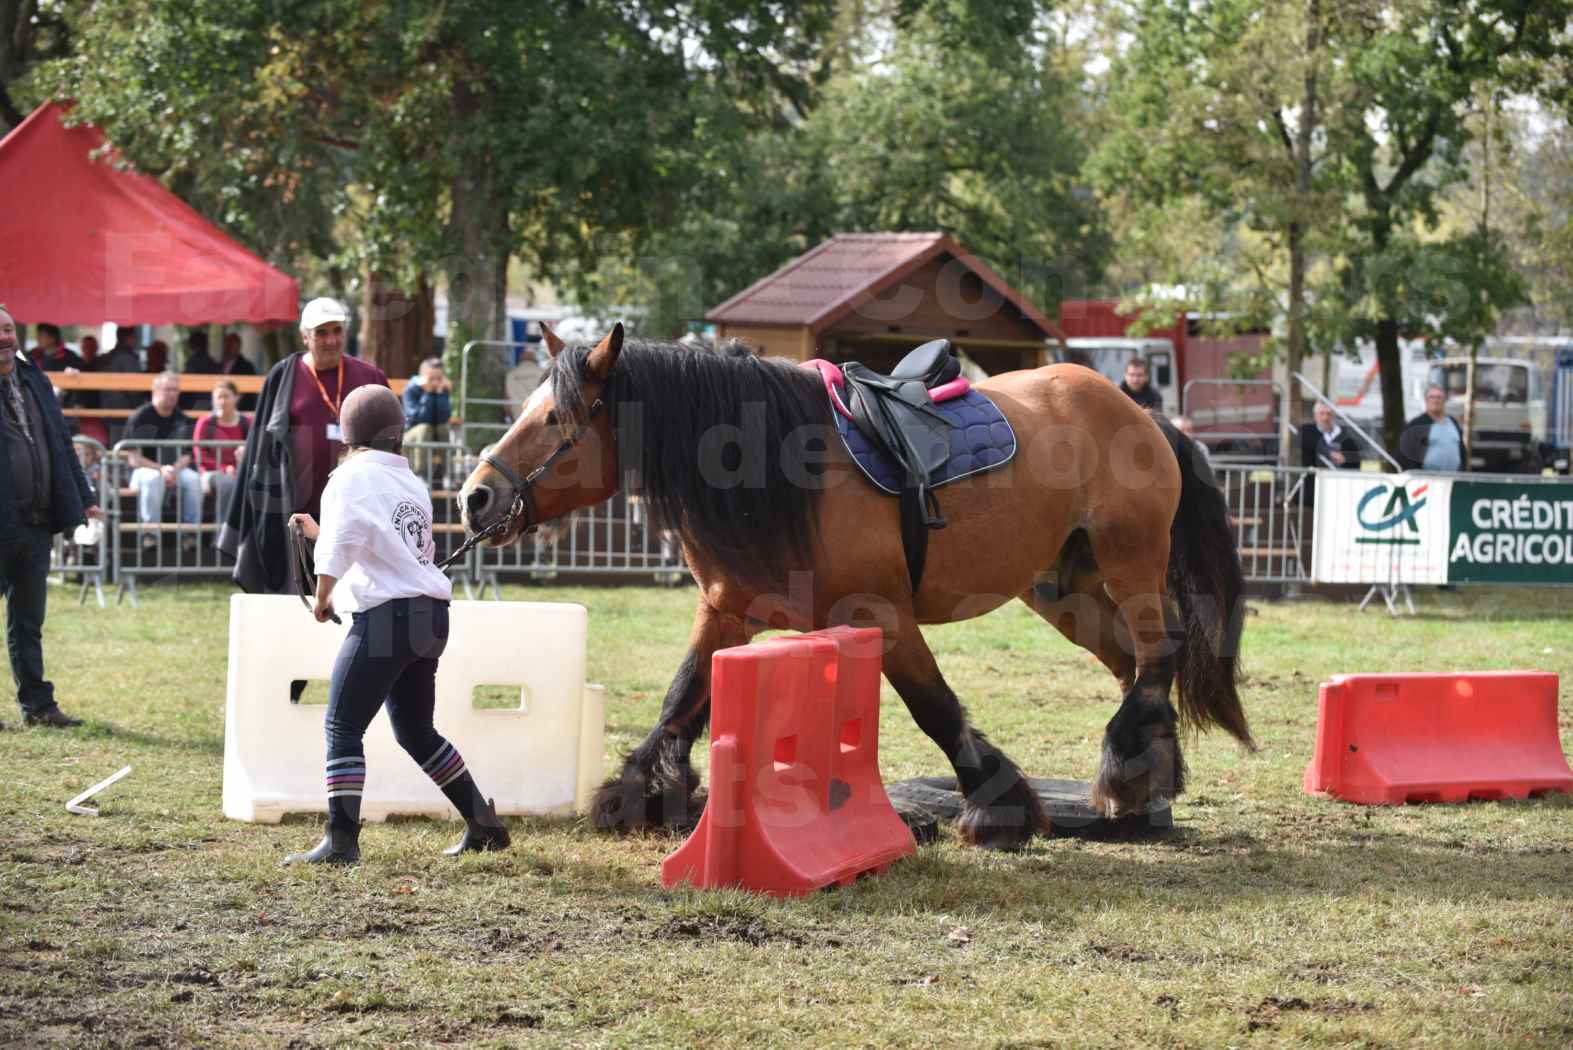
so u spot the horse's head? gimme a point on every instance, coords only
(559, 455)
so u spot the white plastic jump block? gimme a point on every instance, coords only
(543, 757)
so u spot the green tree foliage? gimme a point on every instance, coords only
(30, 33)
(942, 115)
(1369, 104)
(410, 137)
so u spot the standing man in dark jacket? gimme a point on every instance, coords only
(293, 444)
(42, 492)
(1139, 388)
(1324, 445)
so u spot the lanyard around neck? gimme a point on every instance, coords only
(332, 406)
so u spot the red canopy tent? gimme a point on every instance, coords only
(87, 243)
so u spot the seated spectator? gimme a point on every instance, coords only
(1138, 389)
(217, 465)
(157, 357)
(198, 363)
(50, 354)
(96, 429)
(158, 466)
(122, 358)
(1433, 440)
(92, 459)
(232, 363)
(428, 405)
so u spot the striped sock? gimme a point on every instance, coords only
(447, 770)
(346, 783)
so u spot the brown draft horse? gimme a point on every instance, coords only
(1106, 523)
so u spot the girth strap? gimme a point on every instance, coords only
(899, 416)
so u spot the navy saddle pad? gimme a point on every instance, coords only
(980, 440)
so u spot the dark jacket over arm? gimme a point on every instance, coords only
(69, 492)
(254, 533)
(1313, 448)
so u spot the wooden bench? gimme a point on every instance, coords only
(142, 383)
(132, 525)
(1268, 552)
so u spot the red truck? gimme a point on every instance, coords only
(1237, 418)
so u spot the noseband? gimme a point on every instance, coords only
(523, 500)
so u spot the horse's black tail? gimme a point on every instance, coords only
(1208, 585)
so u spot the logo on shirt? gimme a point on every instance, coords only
(414, 527)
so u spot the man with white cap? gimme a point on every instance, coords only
(294, 443)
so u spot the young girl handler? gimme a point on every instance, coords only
(375, 542)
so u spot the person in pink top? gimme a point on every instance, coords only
(217, 465)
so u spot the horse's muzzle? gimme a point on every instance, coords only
(477, 502)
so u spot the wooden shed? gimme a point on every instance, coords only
(871, 297)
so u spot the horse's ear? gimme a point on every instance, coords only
(604, 356)
(554, 345)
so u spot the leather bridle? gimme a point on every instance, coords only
(523, 499)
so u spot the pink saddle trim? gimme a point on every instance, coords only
(946, 391)
(835, 382)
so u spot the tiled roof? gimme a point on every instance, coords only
(825, 283)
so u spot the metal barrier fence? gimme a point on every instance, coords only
(162, 522)
(1236, 418)
(613, 539)
(167, 528)
(84, 563)
(1270, 511)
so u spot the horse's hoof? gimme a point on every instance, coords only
(1008, 823)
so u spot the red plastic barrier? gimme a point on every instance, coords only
(796, 801)
(1387, 739)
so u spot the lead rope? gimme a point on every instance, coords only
(303, 575)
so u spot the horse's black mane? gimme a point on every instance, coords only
(714, 442)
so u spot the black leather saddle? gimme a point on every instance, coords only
(896, 413)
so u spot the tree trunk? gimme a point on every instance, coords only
(476, 269)
(396, 327)
(1390, 363)
(1469, 405)
(1305, 138)
(1296, 405)
(17, 36)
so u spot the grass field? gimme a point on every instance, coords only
(1266, 919)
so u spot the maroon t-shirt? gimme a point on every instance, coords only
(312, 455)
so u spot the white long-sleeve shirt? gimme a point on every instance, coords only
(376, 535)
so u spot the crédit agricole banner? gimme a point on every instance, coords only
(1403, 528)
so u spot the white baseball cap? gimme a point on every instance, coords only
(323, 311)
